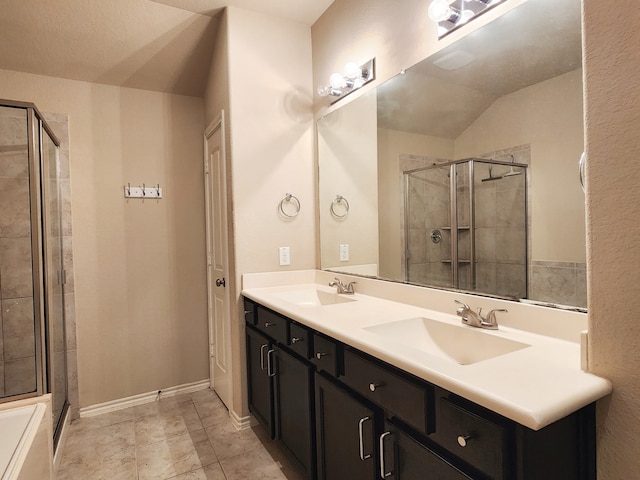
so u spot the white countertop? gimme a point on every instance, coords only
(534, 386)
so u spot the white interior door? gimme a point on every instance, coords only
(217, 262)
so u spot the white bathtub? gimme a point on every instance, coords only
(19, 428)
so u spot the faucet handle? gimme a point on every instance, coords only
(490, 321)
(463, 304)
(464, 308)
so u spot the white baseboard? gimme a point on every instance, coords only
(142, 398)
(240, 423)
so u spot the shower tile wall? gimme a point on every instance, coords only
(564, 283)
(17, 361)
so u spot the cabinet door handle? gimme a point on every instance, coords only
(319, 355)
(360, 437)
(374, 386)
(270, 370)
(463, 440)
(296, 339)
(269, 324)
(262, 347)
(383, 469)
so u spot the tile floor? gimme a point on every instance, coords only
(184, 437)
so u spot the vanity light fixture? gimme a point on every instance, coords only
(353, 77)
(450, 15)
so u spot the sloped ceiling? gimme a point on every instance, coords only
(520, 49)
(160, 45)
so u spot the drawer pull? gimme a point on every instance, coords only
(363, 457)
(319, 355)
(247, 312)
(269, 324)
(296, 339)
(374, 386)
(383, 468)
(270, 370)
(463, 440)
(262, 347)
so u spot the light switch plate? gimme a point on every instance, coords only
(344, 252)
(285, 256)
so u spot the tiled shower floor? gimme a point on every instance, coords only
(184, 437)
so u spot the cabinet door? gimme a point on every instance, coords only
(294, 409)
(345, 432)
(259, 358)
(404, 458)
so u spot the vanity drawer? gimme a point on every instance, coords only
(326, 355)
(406, 399)
(478, 441)
(250, 310)
(300, 340)
(273, 325)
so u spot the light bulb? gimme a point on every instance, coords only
(465, 16)
(337, 80)
(439, 10)
(352, 71)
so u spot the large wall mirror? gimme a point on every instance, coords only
(462, 171)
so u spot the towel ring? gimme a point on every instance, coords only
(290, 198)
(338, 200)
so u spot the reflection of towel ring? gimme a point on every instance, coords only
(290, 198)
(339, 199)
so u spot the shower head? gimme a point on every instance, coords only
(491, 177)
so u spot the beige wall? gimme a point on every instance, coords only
(262, 74)
(356, 29)
(139, 267)
(349, 167)
(612, 67)
(549, 117)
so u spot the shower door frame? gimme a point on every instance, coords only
(453, 207)
(38, 186)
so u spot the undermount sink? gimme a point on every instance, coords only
(462, 344)
(312, 297)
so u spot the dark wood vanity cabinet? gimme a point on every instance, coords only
(260, 391)
(280, 390)
(293, 409)
(343, 414)
(346, 433)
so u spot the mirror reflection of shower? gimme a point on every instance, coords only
(466, 226)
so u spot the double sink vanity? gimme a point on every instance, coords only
(389, 383)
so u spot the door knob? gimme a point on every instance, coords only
(220, 282)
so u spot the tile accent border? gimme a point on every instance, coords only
(142, 398)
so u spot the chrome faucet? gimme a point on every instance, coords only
(475, 319)
(347, 289)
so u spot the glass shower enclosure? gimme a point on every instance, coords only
(32, 324)
(466, 226)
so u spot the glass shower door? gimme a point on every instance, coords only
(428, 226)
(54, 278)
